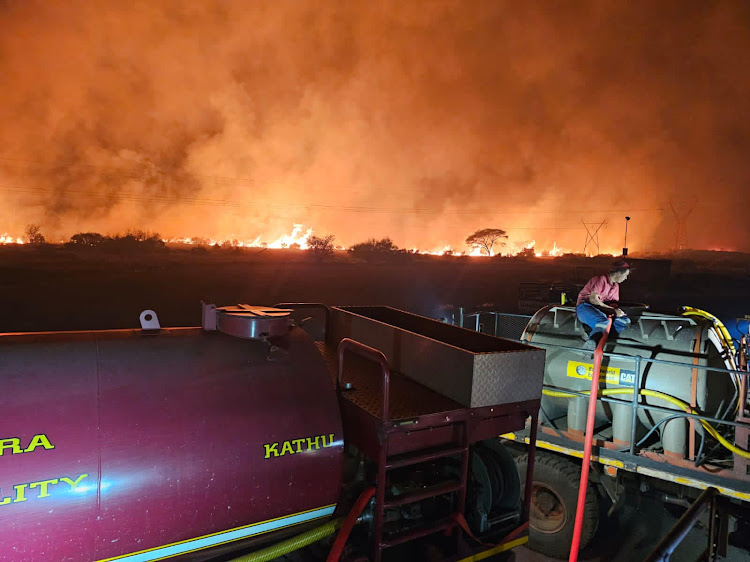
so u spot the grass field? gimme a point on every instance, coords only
(62, 288)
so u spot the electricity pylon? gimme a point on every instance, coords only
(592, 234)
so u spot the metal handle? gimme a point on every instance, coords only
(372, 354)
(663, 551)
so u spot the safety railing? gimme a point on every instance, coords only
(635, 402)
(509, 326)
(500, 324)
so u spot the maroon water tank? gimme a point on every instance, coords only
(128, 446)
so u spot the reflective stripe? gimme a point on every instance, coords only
(692, 482)
(564, 450)
(652, 472)
(190, 545)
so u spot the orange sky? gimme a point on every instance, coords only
(422, 121)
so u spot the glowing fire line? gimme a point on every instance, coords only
(7, 239)
(299, 236)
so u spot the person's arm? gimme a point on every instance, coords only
(596, 300)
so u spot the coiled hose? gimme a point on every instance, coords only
(290, 545)
(655, 394)
(314, 535)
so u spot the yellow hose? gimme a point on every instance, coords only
(290, 545)
(725, 337)
(655, 394)
(722, 329)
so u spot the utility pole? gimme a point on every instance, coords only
(592, 234)
(625, 245)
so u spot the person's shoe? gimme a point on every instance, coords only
(589, 345)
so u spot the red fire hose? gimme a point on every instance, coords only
(346, 528)
(587, 442)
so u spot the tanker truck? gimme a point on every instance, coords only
(250, 435)
(672, 416)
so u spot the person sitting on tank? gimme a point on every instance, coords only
(599, 299)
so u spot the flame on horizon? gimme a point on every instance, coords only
(7, 239)
(299, 235)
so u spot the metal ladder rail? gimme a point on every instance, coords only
(384, 465)
(418, 457)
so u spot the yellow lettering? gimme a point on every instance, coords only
(271, 448)
(14, 444)
(39, 440)
(5, 501)
(73, 483)
(42, 485)
(294, 446)
(20, 493)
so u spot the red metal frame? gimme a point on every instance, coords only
(394, 444)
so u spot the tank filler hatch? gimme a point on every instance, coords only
(247, 321)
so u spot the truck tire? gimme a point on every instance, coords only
(553, 504)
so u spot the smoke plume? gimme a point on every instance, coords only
(419, 121)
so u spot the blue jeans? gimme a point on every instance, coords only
(595, 319)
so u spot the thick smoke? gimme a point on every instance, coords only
(419, 121)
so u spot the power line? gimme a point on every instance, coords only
(124, 196)
(251, 182)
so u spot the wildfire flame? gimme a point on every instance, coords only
(294, 238)
(7, 239)
(553, 253)
(299, 236)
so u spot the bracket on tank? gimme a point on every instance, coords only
(149, 320)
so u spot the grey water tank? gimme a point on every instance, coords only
(690, 342)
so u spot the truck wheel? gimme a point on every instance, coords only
(553, 504)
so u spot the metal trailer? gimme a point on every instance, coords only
(632, 448)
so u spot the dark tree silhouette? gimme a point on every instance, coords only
(34, 234)
(486, 238)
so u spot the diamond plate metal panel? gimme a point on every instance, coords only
(471, 368)
(499, 378)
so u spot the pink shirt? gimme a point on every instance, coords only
(608, 292)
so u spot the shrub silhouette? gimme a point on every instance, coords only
(87, 239)
(321, 247)
(375, 250)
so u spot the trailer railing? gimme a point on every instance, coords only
(500, 324)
